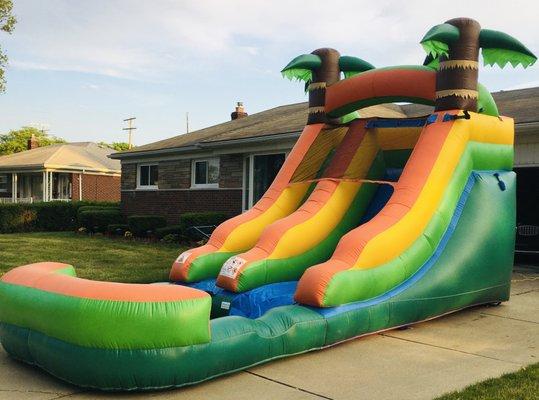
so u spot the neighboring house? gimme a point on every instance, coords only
(71, 171)
(227, 167)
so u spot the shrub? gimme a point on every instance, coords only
(209, 218)
(50, 216)
(169, 230)
(81, 209)
(17, 218)
(118, 229)
(55, 216)
(140, 225)
(99, 220)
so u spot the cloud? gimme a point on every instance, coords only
(161, 39)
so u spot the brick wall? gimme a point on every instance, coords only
(175, 197)
(231, 171)
(129, 176)
(175, 174)
(96, 187)
(172, 203)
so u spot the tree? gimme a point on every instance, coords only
(7, 24)
(318, 70)
(456, 45)
(17, 140)
(118, 146)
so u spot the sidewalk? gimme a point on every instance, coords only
(421, 362)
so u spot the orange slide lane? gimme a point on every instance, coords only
(180, 268)
(318, 199)
(312, 285)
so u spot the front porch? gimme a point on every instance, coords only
(35, 186)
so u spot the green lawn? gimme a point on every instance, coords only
(96, 257)
(520, 385)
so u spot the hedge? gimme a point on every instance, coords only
(209, 218)
(99, 220)
(17, 218)
(97, 208)
(51, 216)
(169, 230)
(140, 225)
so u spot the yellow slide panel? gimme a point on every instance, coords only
(246, 235)
(401, 235)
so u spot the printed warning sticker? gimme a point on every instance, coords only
(183, 257)
(232, 266)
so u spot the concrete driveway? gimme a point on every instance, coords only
(421, 362)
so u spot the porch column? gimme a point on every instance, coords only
(14, 187)
(45, 185)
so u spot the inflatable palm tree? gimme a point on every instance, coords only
(318, 70)
(456, 45)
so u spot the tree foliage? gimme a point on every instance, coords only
(118, 146)
(7, 24)
(17, 140)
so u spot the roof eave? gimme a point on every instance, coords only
(207, 145)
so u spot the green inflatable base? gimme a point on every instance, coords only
(471, 266)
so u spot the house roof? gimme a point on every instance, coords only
(80, 156)
(521, 104)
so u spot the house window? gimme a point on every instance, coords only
(148, 176)
(205, 173)
(3, 183)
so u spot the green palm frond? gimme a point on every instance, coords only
(500, 48)
(301, 68)
(485, 102)
(431, 62)
(351, 66)
(436, 41)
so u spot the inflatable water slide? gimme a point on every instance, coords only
(371, 224)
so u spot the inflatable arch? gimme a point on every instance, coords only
(371, 224)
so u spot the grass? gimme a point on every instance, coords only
(97, 257)
(520, 385)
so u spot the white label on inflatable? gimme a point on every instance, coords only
(183, 257)
(225, 305)
(232, 266)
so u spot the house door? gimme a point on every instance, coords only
(259, 172)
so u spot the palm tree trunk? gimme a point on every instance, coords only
(456, 79)
(327, 74)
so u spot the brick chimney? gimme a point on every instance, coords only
(32, 143)
(239, 113)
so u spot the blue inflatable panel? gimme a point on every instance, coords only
(382, 195)
(207, 285)
(254, 303)
(251, 304)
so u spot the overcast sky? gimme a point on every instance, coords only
(81, 67)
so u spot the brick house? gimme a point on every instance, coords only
(227, 167)
(71, 171)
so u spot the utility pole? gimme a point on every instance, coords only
(187, 122)
(130, 128)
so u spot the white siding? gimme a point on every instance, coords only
(527, 150)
